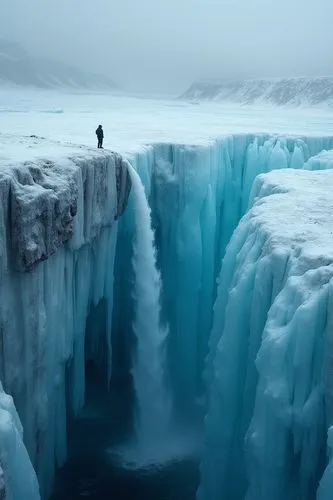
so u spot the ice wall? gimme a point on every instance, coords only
(271, 346)
(326, 484)
(58, 234)
(18, 479)
(198, 194)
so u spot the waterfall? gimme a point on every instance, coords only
(153, 399)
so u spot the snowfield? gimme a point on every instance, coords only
(131, 122)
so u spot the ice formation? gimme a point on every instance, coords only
(326, 484)
(43, 311)
(18, 479)
(198, 194)
(271, 345)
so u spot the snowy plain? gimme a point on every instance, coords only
(131, 122)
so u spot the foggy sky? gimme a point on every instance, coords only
(144, 43)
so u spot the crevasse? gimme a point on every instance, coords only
(197, 196)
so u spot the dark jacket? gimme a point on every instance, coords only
(100, 133)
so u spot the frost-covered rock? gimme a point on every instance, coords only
(39, 201)
(271, 399)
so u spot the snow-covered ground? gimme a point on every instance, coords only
(131, 122)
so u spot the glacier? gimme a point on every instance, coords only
(270, 396)
(71, 258)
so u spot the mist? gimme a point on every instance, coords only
(165, 44)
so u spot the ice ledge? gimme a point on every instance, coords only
(55, 190)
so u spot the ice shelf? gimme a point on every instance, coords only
(271, 348)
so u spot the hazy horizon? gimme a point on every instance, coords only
(145, 46)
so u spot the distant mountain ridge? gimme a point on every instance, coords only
(19, 68)
(300, 91)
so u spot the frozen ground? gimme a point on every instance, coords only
(131, 122)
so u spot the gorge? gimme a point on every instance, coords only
(237, 299)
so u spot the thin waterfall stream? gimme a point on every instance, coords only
(153, 397)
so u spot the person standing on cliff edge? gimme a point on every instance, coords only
(100, 136)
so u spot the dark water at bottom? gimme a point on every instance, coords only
(92, 473)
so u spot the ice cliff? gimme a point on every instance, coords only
(198, 195)
(58, 234)
(271, 392)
